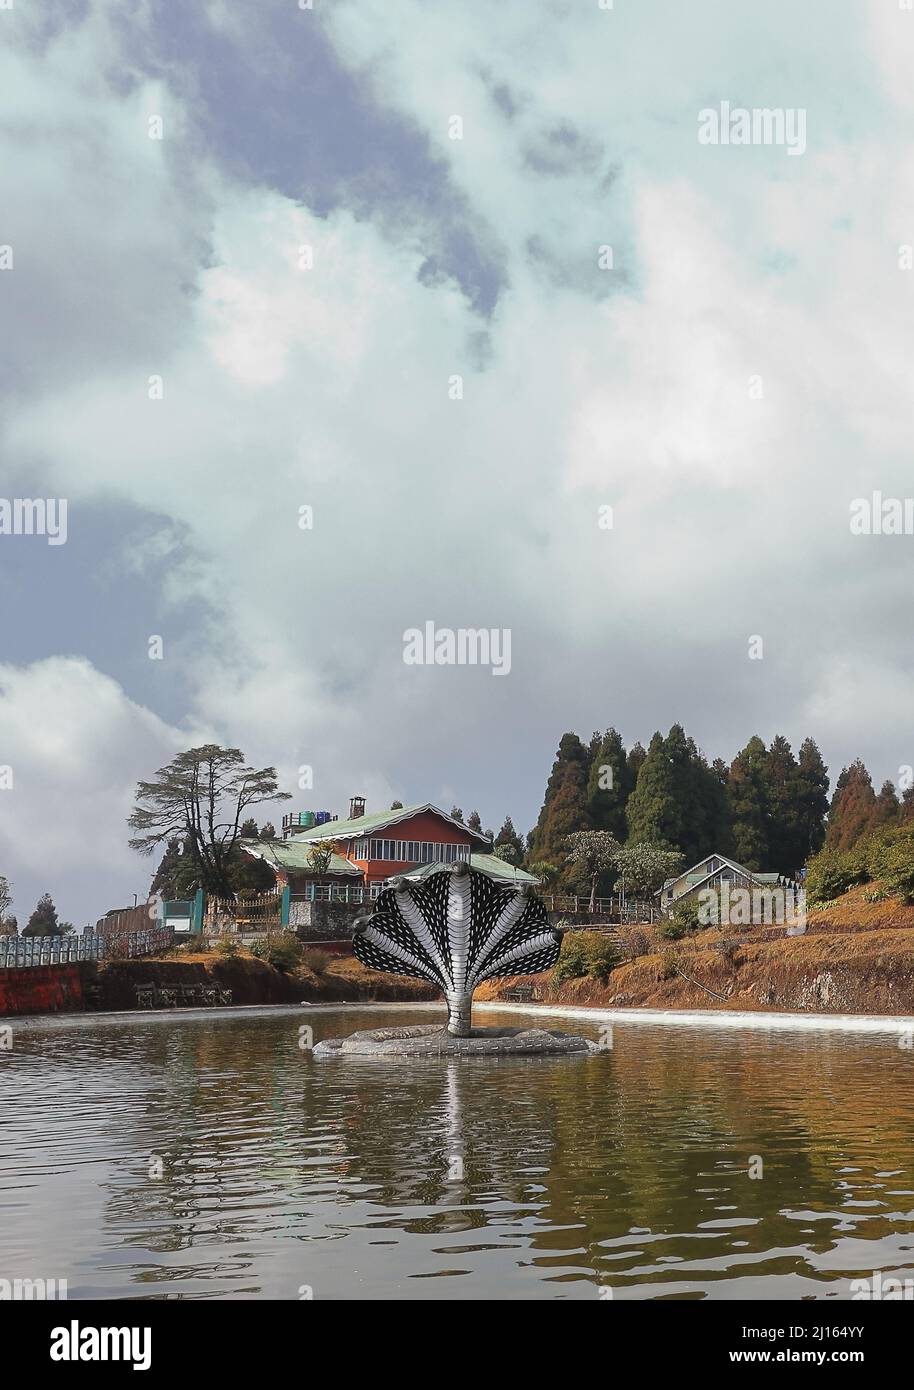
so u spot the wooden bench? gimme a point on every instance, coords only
(519, 994)
(190, 996)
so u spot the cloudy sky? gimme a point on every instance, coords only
(740, 374)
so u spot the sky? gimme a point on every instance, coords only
(330, 323)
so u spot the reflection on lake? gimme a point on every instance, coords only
(509, 1178)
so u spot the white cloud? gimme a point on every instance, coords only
(329, 387)
(77, 747)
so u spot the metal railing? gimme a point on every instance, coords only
(18, 952)
(337, 893)
(615, 908)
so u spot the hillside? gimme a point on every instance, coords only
(857, 957)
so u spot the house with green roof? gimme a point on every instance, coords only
(721, 874)
(323, 857)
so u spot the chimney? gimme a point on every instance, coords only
(356, 807)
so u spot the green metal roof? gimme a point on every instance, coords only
(291, 854)
(379, 820)
(489, 864)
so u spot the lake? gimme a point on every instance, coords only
(197, 1155)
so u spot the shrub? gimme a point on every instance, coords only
(191, 947)
(227, 945)
(636, 942)
(316, 960)
(898, 869)
(283, 951)
(729, 950)
(685, 919)
(586, 954)
(831, 873)
(687, 914)
(668, 967)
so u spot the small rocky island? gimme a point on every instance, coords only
(430, 1040)
(456, 928)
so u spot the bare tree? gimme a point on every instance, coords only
(201, 798)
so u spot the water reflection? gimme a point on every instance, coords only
(208, 1156)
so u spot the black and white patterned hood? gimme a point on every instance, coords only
(457, 928)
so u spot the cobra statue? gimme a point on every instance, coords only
(457, 927)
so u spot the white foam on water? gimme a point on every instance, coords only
(723, 1018)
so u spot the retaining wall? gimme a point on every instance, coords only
(41, 989)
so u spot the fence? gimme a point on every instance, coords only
(615, 909)
(124, 921)
(338, 893)
(19, 951)
(253, 915)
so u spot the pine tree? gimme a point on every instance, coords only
(249, 829)
(644, 814)
(43, 921)
(887, 810)
(812, 800)
(457, 814)
(474, 822)
(666, 805)
(723, 830)
(851, 812)
(691, 791)
(509, 836)
(711, 822)
(750, 809)
(633, 763)
(565, 804)
(8, 923)
(607, 784)
(786, 850)
(176, 876)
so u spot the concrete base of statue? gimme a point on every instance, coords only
(433, 1040)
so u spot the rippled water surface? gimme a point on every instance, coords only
(203, 1156)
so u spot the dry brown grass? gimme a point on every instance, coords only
(858, 957)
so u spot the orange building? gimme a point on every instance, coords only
(332, 858)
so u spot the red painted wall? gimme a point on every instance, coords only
(41, 989)
(424, 826)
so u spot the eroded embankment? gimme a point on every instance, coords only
(253, 981)
(114, 984)
(869, 972)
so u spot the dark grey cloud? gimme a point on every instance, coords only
(273, 106)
